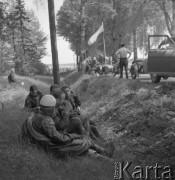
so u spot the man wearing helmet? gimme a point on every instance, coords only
(40, 129)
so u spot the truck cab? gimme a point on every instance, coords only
(161, 57)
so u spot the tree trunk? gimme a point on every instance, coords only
(51, 9)
(120, 41)
(22, 35)
(173, 20)
(13, 39)
(135, 44)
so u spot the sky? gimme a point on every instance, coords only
(65, 55)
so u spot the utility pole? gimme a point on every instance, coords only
(53, 38)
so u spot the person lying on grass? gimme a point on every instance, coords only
(40, 129)
(33, 99)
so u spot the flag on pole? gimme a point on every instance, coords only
(94, 37)
(137, 20)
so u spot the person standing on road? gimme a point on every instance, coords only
(123, 54)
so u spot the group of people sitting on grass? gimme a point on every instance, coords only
(58, 126)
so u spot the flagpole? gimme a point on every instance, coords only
(104, 43)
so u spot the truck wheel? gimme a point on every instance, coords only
(155, 78)
(165, 78)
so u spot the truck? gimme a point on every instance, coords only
(161, 57)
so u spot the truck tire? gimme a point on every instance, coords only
(165, 78)
(155, 78)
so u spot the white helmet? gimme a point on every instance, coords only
(48, 101)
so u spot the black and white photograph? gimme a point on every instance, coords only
(87, 89)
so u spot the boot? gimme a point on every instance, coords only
(108, 151)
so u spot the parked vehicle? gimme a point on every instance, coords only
(161, 58)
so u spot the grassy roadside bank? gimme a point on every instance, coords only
(21, 161)
(139, 117)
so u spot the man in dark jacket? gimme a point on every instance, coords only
(32, 100)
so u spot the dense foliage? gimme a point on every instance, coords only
(21, 39)
(117, 16)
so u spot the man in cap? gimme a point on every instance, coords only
(32, 100)
(123, 54)
(40, 129)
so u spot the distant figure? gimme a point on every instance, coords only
(11, 76)
(33, 99)
(85, 66)
(94, 62)
(134, 70)
(123, 54)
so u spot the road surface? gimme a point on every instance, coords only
(146, 78)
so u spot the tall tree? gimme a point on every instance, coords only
(36, 47)
(168, 9)
(21, 18)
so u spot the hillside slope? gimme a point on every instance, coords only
(139, 117)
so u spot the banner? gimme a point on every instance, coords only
(94, 37)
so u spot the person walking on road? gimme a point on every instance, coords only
(123, 54)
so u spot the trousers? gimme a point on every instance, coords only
(123, 63)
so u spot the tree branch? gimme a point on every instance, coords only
(167, 17)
